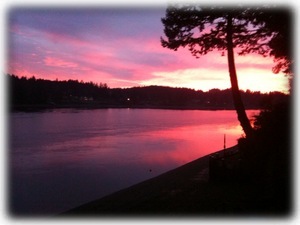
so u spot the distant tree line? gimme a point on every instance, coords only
(32, 91)
(27, 93)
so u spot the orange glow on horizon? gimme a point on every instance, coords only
(195, 78)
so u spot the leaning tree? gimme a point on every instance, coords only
(203, 29)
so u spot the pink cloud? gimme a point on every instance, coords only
(116, 56)
(56, 62)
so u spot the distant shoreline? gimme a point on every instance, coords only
(37, 94)
(42, 107)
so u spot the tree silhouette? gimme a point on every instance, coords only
(279, 22)
(203, 29)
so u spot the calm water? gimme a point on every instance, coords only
(64, 158)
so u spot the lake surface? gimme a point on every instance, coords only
(64, 158)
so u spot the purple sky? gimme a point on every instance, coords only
(120, 47)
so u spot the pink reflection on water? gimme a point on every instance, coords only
(192, 142)
(164, 146)
(74, 154)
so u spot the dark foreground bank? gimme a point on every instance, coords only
(188, 191)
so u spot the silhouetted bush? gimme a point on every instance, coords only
(266, 158)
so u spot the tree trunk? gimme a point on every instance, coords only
(237, 100)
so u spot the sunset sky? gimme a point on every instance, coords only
(120, 47)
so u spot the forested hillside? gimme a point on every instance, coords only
(25, 93)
